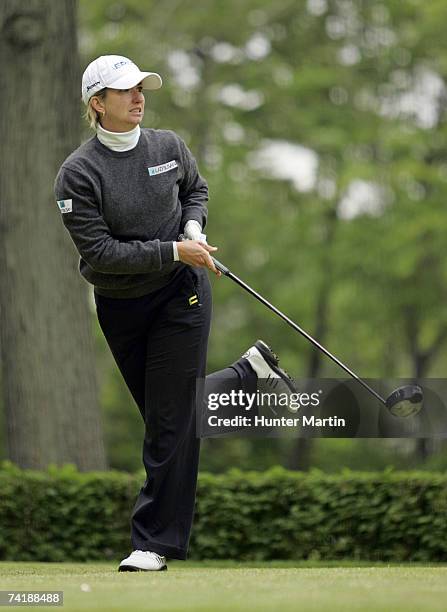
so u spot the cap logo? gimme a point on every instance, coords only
(93, 85)
(119, 64)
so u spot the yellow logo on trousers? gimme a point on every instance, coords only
(193, 299)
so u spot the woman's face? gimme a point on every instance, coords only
(124, 109)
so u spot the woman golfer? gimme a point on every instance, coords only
(125, 196)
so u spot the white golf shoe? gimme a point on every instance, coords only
(271, 377)
(143, 561)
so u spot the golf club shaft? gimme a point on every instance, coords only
(226, 272)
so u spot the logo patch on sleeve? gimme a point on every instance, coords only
(65, 206)
(162, 168)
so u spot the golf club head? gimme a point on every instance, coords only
(405, 401)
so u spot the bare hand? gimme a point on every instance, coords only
(196, 253)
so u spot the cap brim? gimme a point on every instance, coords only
(149, 80)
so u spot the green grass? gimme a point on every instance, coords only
(217, 586)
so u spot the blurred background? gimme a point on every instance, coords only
(320, 128)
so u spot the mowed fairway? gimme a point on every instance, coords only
(215, 586)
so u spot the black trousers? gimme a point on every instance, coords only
(159, 342)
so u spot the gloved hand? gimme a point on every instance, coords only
(193, 231)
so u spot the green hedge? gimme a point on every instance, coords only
(63, 515)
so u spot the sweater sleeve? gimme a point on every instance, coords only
(92, 236)
(193, 190)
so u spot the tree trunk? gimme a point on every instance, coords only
(422, 359)
(49, 380)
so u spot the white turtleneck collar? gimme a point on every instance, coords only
(118, 141)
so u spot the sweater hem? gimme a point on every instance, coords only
(144, 289)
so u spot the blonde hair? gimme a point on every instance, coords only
(91, 116)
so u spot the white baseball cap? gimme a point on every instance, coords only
(117, 72)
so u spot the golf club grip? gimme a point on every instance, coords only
(217, 263)
(220, 266)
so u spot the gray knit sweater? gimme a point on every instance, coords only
(124, 210)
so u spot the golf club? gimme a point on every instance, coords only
(402, 402)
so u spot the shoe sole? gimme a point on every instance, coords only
(132, 568)
(267, 353)
(272, 361)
